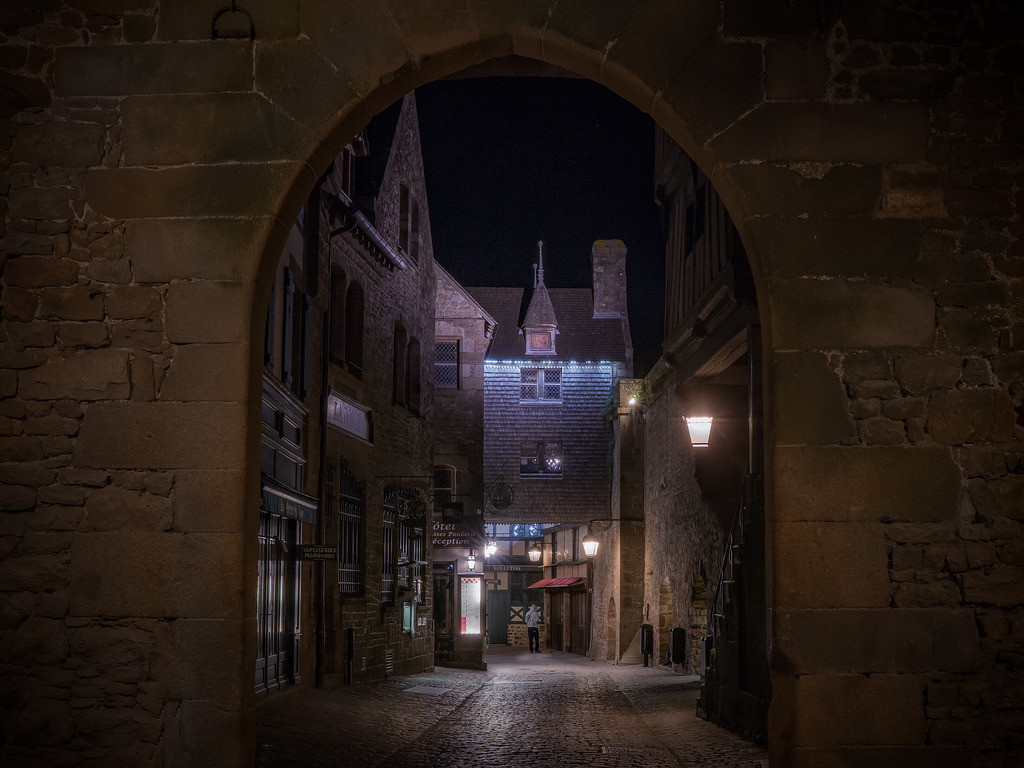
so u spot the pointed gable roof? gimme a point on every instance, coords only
(540, 313)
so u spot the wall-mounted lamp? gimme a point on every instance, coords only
(471, 562)
(590, 545)
(700, 430)
(491, 548)
(534, 552)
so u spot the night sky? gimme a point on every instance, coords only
(510, 161)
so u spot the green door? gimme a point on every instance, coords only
(498, 604)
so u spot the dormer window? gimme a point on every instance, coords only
(540, 342)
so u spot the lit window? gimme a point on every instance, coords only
(540, 343)
(540, 385)
(541, 459)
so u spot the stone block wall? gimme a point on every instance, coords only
(870, 156)
(519, 638)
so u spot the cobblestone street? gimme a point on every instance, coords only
(526, 711)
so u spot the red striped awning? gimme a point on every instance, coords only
(565, 581)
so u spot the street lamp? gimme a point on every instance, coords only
(590, 545)
(491, 548)
(534, 552)
(471, 562)
(700, 430)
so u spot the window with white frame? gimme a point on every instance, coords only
(540, 459)
(540, 385)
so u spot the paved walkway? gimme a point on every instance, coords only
(526, 711)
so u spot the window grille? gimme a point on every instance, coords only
(352, 507)
(446, 365)
(540, 385)
(444, 486)
(541, 459)
(387, 579)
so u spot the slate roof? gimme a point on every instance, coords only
(581, 337)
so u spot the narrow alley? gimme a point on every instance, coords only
(526, 711)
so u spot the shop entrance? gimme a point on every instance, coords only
(499, 604)
(444, 611)
(276, 601)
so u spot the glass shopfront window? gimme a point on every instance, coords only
(470, 621)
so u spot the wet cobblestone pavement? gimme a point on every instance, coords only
(526, 711)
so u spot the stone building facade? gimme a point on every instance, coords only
(377, 470)
(869, 154)
(703, 503)
(549, 376)
(463, 330)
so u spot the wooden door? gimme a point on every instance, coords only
(578, 633)
(555, 625)
(499, 603)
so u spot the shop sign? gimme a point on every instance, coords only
(349, 416)
(318, 552)
(281, 500)
(462, 534)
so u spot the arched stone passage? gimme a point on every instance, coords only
(882, 225)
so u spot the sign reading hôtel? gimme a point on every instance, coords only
(448, 534)
(349, 416)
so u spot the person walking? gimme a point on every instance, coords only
(532, 631)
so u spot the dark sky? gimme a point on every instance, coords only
(510, 161)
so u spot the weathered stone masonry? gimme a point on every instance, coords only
(871, 155)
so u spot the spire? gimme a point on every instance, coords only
(540, 324)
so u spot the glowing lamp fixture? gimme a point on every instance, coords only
(590, 544)
(491, 548)
(471, 562)
(700, 430)
(534, 552)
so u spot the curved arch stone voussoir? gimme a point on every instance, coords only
(871, 162)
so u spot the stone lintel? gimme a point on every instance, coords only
(162, 250)
(128, 575)
(842, 314)
(864, 484)
(121, 70)
(822, 246)
(866, 132)
(209, 312)
(260, 131)
(886, 640)
(837, 710)
(255, 189)
(140, 435)
(830, 565)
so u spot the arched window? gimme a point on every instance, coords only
(336, 342)
(354, 329)
(399, 363)
(413, 377)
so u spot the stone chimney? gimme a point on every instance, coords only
(608, 258)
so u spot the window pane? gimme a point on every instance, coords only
(553, 458)
(529, 463)
(446, 365)
(552, 383)
(528, 383)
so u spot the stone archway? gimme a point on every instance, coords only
(137, 257)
